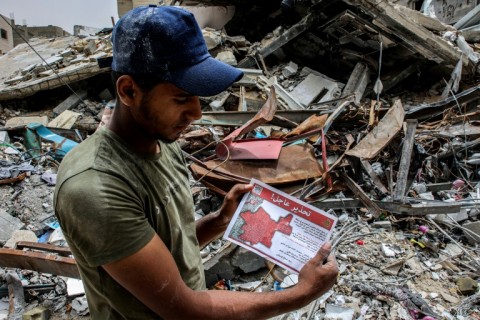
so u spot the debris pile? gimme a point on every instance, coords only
(367, 109)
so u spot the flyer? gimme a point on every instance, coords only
(279, 227)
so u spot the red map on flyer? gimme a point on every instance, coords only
(260, 228)
(279, 227)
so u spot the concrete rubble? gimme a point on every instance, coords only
(376, 105)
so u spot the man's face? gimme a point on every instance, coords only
(166, 111)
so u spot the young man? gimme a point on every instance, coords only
(123, 198)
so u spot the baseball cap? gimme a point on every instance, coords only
(167, 41)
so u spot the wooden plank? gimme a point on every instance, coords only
(357, 190)
(402, 176)
(63, 251)
(380, 136)
(375, 178)
(15, 295)
(40, 262)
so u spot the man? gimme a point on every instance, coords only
(123, 198)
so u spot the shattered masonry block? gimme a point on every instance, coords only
(38, 313)
(247, 261)
(8, 225)
(387, 225)
(23, 121)
(222, 269)
(20, 235)
(473, 236)
(71, 102)
(90, 48)
(458, 217)
(290, 69)
(53, 60)
(212, 39)
(227, 57)
(4, 137)
(467, 286)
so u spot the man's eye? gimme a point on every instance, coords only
(181, 100)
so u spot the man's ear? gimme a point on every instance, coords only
(128, 91)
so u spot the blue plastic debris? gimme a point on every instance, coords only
(61, 145)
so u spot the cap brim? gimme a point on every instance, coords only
(207, 78)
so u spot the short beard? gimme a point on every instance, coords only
(147, 116)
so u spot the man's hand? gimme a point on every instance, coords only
(319, 274)
(231, 202)
(214, 224)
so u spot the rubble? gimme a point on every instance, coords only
(372, 107)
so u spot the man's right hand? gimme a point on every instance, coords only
(319, 274)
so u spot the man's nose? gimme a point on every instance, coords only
(195, 109)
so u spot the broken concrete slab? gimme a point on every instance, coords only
(357, 82)
(472, 34)
(8, 225)
(65, 120)
(23, 121)
(467, 286)
(416, 37)
(38, 313)
(316, 88)
(80, 306)
(20, 235)
(285, 100)
(470, 19)
(273, 44)
(405, 160)
(212, 38)
(90, 48)
(227, 56)
(451, 11)
(290, 69)
(428, 22)
(71, 102)
(334, 312)
(247, 260)
(4, 137)
(52, 61)
(23, 59)
(473, 236)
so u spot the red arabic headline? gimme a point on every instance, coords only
(297, 209)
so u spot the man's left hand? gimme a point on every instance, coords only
(232, 200)
(211, 226)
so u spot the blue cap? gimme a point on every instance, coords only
(168, 42)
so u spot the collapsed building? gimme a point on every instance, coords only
(367, 109)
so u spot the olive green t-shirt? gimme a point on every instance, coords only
(110, 202)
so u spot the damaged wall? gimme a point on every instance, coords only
(6, 35)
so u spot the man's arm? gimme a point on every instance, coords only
(152, 276)
(214, 224)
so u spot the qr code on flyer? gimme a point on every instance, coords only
(257, 189)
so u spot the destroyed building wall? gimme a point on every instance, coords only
(450, 11)
(79, 30)
(6, 37)
(37, 32)
(126, 5)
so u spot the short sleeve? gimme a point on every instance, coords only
(102, 217)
